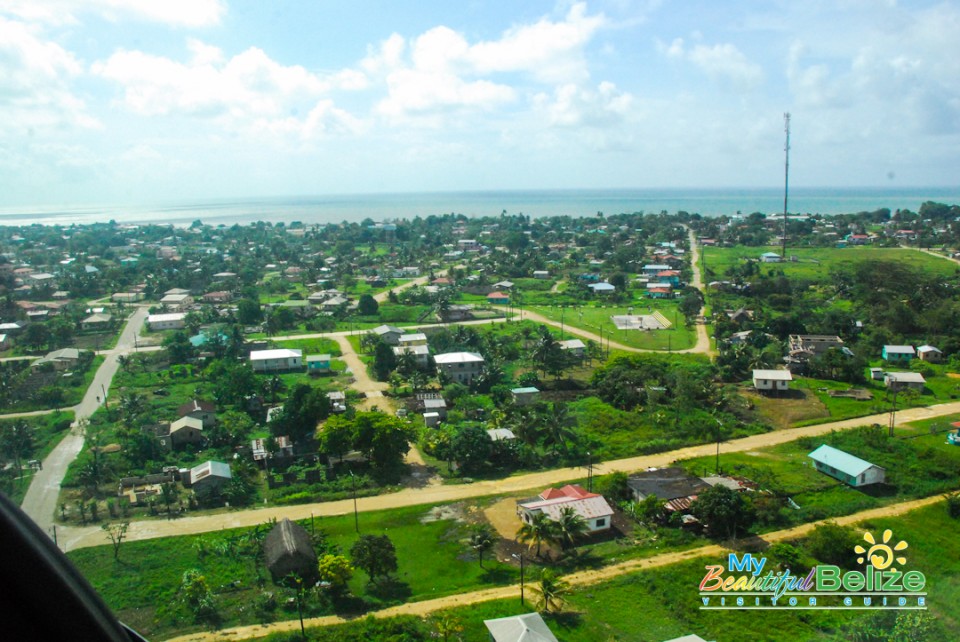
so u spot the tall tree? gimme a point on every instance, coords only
(552, 590)
(375, 555)
(481, 540)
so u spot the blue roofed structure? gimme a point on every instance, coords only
(846, 467)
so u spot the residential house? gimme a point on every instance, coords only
(673, 485)
(208, 479)
(221, 296)
(929, 353)
(412, 339)
(468, 245)
(333, 304)
(284, 449)
(338, 400)
(277, 360)
(99, 321)
(528, 627)
(389, 334)
(503, 285)
(904, 381)
(460, 367)
(455, 313)
(602, 288)
(186, 431)
(846, 467)
(205, 411)
(498, 298)
(435, 405)
(541, 274)
(775, 380)
(593, 508)
(898, 354)
(770, 257)
(421, 354)
(177, 302)
(574, 347)
(652, 269)
(60, 359)
(669, 276)
(318, 363)
(808, 346)
(525, 396)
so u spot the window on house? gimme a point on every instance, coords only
(601, 522)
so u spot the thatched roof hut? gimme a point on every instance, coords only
(288, 550)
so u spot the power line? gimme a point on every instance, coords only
(786, 184)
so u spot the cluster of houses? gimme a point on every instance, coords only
(207, 480)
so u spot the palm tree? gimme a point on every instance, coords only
(538, 530)
(570, 527)
(551, 589)
(558, 424)
(482, 540)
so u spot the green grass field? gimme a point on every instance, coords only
(47, 431)
(815, 264)
(592, 319)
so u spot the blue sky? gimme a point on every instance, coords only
(144, 101)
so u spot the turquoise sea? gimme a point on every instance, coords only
(535, 203)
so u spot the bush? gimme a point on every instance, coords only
(953, 505)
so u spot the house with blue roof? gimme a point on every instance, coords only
(846, 467)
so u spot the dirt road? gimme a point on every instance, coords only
(40, 502)
(581, 578)
(80, 537)
(703, 341)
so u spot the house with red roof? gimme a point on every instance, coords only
(593, 508)
(498, 298)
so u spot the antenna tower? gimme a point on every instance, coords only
(786, 184)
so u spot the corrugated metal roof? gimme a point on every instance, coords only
(844, 462)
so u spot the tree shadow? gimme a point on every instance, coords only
(390, 590)
(499, 575)
(566, 620)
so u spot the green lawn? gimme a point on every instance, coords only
(593, 319)
(47, 431)
(815, 264)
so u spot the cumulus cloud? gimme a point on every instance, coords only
(181, 13)
(723, 62)
(248, 88)
(37, 77)
(571, 105)
(440, 70)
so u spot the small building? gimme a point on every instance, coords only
(876, 374)
(258, 448)
(288, 551)
(209, 478)
(593, 508)
(61, 359)
(186, 431)
(904, 381)
(389, 334)
(438, 406)
(176, 302)
(846, 467)
(898, 354)
(770, 257)
(412, 339)
(602, 288)
(808, 346)
(461, 367)
(525, 396)
(672, 485)
(279, 360)
(205, 411)
(221, 296)
(775, 380)
(501, 434)
(574, 347)
(338, 400)
(541, 274)
(98, 321)
(5, 342)
(421, 354)
(528, 627)
(498, 298)
(318, 363)
(929, 353)
(169, 321)
(431, 419)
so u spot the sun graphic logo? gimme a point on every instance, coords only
(880, 554)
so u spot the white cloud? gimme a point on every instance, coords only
(36, 75)
(574, 106)
(181, 13)
(722, 62)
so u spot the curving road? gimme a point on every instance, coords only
(40, 502)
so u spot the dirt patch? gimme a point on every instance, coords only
(448, 511)
(503, 517)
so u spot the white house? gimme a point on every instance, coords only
(421, 353)
(575, 347)
(929, 353)
(412, 339)
(461, 367)
(593, 508)
(276, 360)
(904, 380)
(846, 467)
(770, 257)
(777, 380)
(169, 321)
(177, 302)
(209, 478)
(528, 627)
(389, 334)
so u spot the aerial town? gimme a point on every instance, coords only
(489, 428)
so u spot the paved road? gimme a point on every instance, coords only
(79, 537)
(40, 502)
(580, 578)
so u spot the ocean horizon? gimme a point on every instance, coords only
(320, 209)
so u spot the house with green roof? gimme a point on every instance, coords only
(846, 467)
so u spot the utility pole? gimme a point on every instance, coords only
(893, 412)
(786, 184)
(589, 472)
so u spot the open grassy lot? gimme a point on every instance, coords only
(591, 319)
(46, 432)
(663, 603)
(815, 264)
